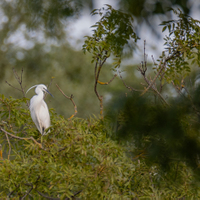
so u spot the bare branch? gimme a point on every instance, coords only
(13, 190)
(27, 193)
(47, 197)
(22, 138)
(13, 86)
(162, 66)
(150, 84)
(9, 146)
(106, 83)
(128, 87)
(154, 89)
(20, 81)
(52, 198)
(1, 154)
(71, 98)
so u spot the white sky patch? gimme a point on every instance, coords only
(99, 4)
(18, 39)
(107, 97)
(77, 29)
(20, 55)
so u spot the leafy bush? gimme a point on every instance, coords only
(76, 158)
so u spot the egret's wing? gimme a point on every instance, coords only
(44, 116)
(35, 118)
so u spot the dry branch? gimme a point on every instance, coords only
(162, 66)
(71, 98)
(1, 154)
(22, 138)
(128, 87)
(152, 86)
(20, 81)
(9, 145)
(27, 193)
(53, 198)
(106, 83)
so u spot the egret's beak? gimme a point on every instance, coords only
(49, 92)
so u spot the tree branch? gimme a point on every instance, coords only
(128, 87)
(52, 198)
(1, 154)
(96, 81)
(13, 190)
(20, 81)
(47, 197)
(71, 98)
(154, 88)
(27, 193)
(9, 145)
(162, 66)
(106, 83)
(22, 138)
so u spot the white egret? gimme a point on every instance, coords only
(38, 108)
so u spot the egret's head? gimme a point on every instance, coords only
(40, 87)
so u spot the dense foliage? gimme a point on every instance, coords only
(77, 160)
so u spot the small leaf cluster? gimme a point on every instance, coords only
(183, 44)
(110, 35)
(13, 113)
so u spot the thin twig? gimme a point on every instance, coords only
(9, 145)
(71, 98)
(162, 66)
(155, 89)
(106, 83)
(1, 154)
(47, 197)
(20, 81)
(128, 87)
(22, 138)
(30, 184)
(13, 86)
(9, 195)
(52, 198)
(27, 193)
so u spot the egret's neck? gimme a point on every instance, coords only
(40, 95)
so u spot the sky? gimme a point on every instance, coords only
(78, 28)
(154, 45)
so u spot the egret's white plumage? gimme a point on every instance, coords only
(39, 109)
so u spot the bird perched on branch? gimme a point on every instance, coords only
(39, 109)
